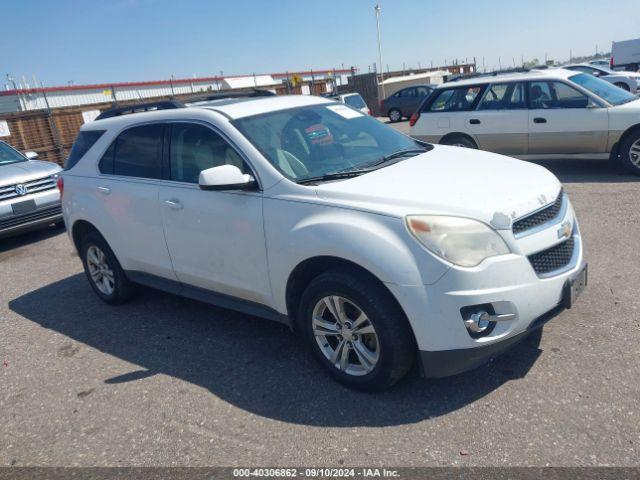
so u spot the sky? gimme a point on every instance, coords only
(83, 41)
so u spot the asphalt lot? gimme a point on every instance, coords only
(170, 381)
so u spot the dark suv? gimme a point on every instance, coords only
(406, 101)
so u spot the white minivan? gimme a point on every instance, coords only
(379, 249)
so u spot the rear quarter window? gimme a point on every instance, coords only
(458, 99)
(85, 140)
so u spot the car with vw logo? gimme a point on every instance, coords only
(29, 196)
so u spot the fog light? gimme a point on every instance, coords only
(478, 322)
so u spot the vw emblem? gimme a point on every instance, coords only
(21, 189)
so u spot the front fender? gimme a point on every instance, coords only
(378, 243)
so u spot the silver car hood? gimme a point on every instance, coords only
(21, 172)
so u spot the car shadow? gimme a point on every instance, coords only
(254, 364)
(29, 237)
(586, 171)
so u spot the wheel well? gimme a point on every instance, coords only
(627, 132)
(79, 230)
(309, 269)
(451, 135)
(615, 150)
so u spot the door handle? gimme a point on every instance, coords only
(539, 120)
(474, 121)
(175, 204)
(104, 190)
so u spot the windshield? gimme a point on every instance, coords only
(313, 141)
(605, 90)
(9, 155)
(355, 101)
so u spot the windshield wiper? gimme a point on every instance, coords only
(398, 154)
(335, 176)
(360, 169)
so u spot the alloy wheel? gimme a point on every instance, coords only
(345, 335)
(634, 153)
(100, 271)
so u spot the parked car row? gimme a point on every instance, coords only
(629, 81)
(534, 114)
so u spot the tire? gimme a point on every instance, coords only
(95, 252)
(630, 153)
(623, 86)
(460, 141)
(394, 115)
(389, 352)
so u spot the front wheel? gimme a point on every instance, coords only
(357, 332)
(630, 153)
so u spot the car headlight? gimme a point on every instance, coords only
(462, 241)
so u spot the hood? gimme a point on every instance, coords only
(25, 171)
(451, 181)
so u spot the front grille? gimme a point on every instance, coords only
(30, 217)
(38, 185)
(553, 258)
(538, 218)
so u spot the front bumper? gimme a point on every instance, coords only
(47, 210)
(452, 362)
(446, 363)
(37, 218)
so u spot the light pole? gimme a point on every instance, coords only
(377, 10)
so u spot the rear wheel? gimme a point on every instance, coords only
(630, 153)
(395, 115)
(357, 332)
(459, 141)
(103, 270)
(623, 86)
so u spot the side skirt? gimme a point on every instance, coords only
(208, 296)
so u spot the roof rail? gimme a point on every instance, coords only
(140, 107)
(256, 92)
(494, 73)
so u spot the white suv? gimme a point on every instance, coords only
(377, 248)
(536, 114)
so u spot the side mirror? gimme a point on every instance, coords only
(226, 177)
(31, 155)
(592, 104)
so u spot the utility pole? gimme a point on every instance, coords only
(377, 10)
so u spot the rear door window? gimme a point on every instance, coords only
(503, 96)
(423, 91)
(138, 152)
(408, 93)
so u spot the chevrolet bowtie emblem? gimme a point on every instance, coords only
(565, 230)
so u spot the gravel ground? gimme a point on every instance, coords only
(169, 381)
